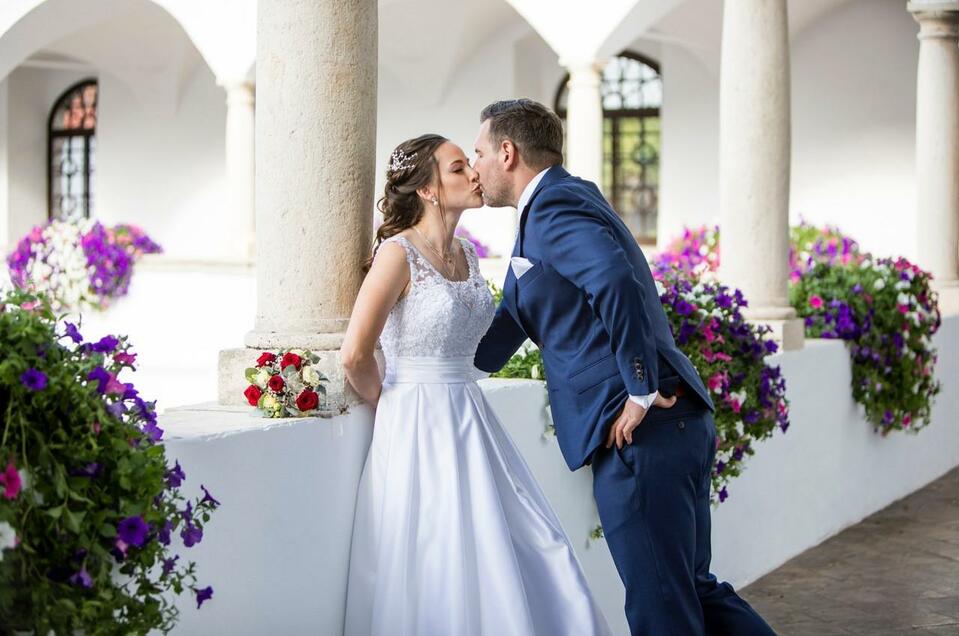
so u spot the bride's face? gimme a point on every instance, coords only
(460, 184)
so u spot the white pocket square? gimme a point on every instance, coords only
(520, 266)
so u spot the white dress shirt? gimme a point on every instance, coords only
(520, 265)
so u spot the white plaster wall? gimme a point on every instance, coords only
(853, 128)
(286, 492)
(689, 187)
(169, 318)
(854, 115)
(164, 170)
(4, 167)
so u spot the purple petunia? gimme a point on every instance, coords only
(106, 344)
(203, 595)
(72, 332)
(208, 497)
(154, 432)
(723, 495)
(163, 535)
(191, 534)
(82, 578)
(169, 564)
(90, 470)
(102, 376)
(133, 530)
(33, 380)
(175, 476)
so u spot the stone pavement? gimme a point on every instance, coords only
(896, 572)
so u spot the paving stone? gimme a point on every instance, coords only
(895, 573)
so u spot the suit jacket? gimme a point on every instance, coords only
(590, 304)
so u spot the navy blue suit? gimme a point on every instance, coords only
(590, 304)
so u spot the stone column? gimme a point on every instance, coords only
(315, 147)
(240, 162)
(937, 146)
(754, 150)
(584, 121)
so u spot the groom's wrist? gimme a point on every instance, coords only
(644, 401)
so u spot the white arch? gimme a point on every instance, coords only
(223, 31)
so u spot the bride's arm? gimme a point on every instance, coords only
(384, 284)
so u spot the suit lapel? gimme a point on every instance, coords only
(552, 175)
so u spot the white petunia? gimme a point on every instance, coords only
(879, 284)
(8, 537)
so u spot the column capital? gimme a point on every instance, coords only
(937, 20)
(583, 66)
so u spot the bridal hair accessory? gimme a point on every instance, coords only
(399, 160)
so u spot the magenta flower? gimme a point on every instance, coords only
(815, 302)
(10, 480)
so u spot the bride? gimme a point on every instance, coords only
(452, 534)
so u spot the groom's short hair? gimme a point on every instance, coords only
(535, 130)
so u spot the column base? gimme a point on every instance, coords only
(788, 331)
(948, 291)
(231, 381)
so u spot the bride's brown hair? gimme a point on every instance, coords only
(412, 166)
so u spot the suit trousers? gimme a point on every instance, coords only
(653, 501)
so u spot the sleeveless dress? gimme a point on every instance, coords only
(452, 535)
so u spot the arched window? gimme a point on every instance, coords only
(632, 94)
(72, 144)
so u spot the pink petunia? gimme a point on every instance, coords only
(815, 302)
(10, 480)
(115, 386)
(715, 382)
(125, 358)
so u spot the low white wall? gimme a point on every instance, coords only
(276, 552)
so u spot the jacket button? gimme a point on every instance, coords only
(682, 424)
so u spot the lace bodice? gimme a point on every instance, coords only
(438, 317)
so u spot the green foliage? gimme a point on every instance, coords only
(887, 313)
(86, 454)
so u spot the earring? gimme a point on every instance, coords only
(434, 201)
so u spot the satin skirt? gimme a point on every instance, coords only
(452, 535)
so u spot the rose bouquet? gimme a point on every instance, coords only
(286, 384)
(89, 506)
(78, 265)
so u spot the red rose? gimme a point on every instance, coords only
(290, 358)
(276, 384)
(265, 359)
(307, 400)
(253, 394)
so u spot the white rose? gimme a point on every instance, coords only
(310, 375)
(262, 377)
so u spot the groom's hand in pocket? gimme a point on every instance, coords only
(630, 417)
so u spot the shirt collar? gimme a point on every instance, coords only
(529, 189)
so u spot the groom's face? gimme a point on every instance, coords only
(488, 165)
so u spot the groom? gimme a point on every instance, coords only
(624, 398)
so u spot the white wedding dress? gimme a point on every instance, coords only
(452, 535)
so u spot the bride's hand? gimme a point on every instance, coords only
(621, 432)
